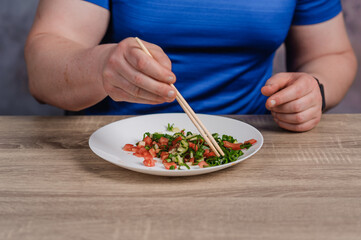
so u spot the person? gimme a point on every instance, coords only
(82, 56)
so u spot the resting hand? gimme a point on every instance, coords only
(129, 74)
(295, 100)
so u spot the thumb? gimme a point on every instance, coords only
(276, 83)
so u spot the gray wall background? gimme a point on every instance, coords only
(16, 17)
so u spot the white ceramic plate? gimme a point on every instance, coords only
(107, 142)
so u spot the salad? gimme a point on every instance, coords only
(186, 149)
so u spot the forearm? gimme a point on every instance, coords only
(335, 71)
(64, 73)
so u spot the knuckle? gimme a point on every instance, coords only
(298, 91)
(311, 80)
(107, 74)
(137, 92)
(297, 107)
(112, 60)
(138, 79)
(167, 63)
(122, 44)
(142, 63)
(299, 118)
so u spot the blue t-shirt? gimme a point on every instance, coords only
(221, 51)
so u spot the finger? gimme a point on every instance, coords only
(116, 81)
(125, 70)
(148, 65)
(299, 127)
(159, 55)
(298, 118)
(276, 82)
(118, 94)
(296, 90)
(298, 105)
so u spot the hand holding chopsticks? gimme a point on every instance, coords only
(191, 114)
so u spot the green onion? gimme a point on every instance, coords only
(170, 127)
(146, 134)
(184, 164)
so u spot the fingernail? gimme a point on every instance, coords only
(171, 94)
(272, 103)
(170, 78)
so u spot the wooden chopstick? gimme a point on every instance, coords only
(191, 114)
(197, 122)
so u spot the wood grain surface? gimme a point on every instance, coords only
(298, 186)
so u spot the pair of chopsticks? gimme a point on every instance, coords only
(191, 114)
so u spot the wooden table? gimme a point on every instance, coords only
(298, 186)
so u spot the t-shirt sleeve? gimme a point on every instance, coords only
(102, 3)
(315, 11)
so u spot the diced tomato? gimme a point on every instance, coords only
(233, 146)
(174, 142)
(210, 154)
(191, 160)
(148, 141)
(251, 141)
(164, 155)
(167, 165)
(203, 164)
(157, 150)
(152, 152)
(146, 154)
(128, 147)
(163, 141)
(193, 146)
(141, 152)
(149, 162)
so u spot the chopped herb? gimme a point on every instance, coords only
(170, 127)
